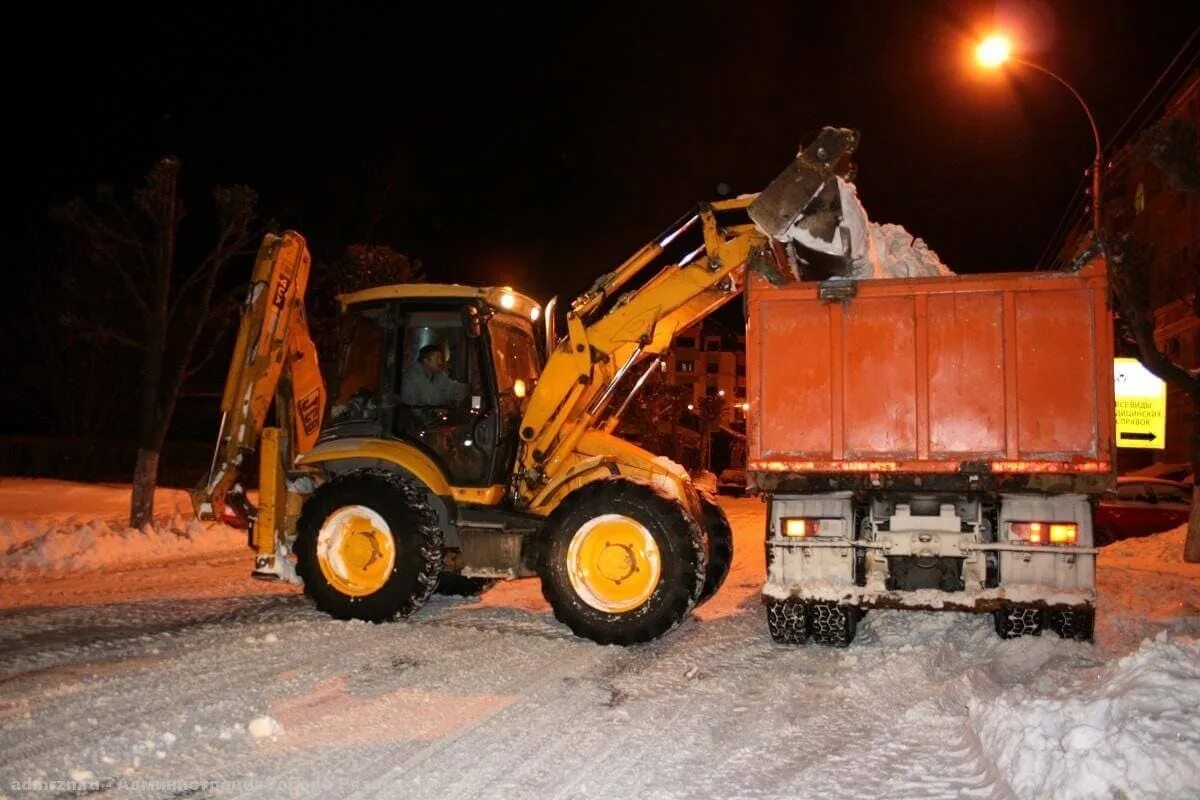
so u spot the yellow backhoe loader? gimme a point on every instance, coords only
(504, 463)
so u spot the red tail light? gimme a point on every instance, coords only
(798, 527)
(1044, 532)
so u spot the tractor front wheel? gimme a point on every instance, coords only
(622, 563)
(720, 547)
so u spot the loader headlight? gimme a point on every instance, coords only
(1044, 532)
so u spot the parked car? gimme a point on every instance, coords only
(732, 481)
(1167, 472)
(1141, 506)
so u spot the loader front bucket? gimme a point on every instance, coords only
(808, 188)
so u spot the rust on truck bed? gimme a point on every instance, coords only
(981, 382)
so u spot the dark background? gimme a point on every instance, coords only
(538, 146)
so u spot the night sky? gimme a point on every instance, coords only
(540, 146)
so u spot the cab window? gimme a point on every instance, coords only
(514, 353)
(354, 387)
(443, 331)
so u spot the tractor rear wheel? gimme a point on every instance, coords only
(368, 546)
(621, 563)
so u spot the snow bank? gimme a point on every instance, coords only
(27, 550)
(1131, 731)
(40, 534)
(1149, 552)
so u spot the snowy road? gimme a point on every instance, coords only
(187, 679)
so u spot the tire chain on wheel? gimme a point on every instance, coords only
(832, 624)
(1072, 623)
(786, 621)
(604, 493)
(427, 530)
(1014, 622)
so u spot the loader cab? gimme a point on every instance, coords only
(444, 368)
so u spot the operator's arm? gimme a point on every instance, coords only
(456, 391)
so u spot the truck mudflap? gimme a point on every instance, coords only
(875, 594)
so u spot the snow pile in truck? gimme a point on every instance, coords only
(868, 249)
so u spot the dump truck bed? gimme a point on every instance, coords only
(998, 381)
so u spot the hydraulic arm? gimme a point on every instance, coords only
(274, 356)
(608, 335)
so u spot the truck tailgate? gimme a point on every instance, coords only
(994, 374)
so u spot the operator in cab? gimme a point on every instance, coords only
(428, 384)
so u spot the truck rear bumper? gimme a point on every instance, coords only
(978, 600)
(1033, 576)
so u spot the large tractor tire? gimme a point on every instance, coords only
(622, 563)
(720, 547)
(368, 547)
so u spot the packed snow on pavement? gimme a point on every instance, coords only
(148, 664)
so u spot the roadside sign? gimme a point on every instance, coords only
(1141, 405)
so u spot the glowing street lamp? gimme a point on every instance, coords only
(995, 51)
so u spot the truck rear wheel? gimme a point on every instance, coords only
(832, 624)
(1015, 621)
(368, 547)
(1073, 623)
(720, 547)
(786, 621)
(622, 563)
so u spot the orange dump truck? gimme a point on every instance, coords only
(932, 443)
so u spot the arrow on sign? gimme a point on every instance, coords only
(1140, 437)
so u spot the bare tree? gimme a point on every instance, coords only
(710, 409)
(168, 300)
(1172, 147)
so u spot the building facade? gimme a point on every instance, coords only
(711, 360)
(1140, 200)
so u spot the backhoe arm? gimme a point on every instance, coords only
(273, 358)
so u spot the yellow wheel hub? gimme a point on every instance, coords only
(614, 563)
(356, 551)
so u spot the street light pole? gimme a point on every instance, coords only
(1098, 161)
(993, 52)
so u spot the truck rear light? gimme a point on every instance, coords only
(1044, 532)
(798, 528)
(1063, 533)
